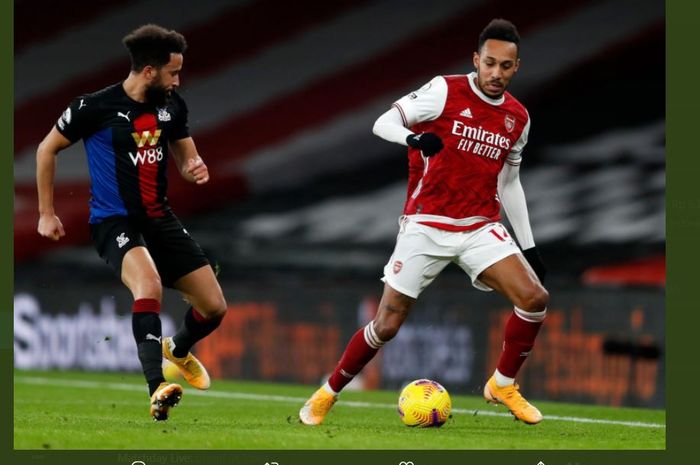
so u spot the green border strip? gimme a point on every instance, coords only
(340, 457)
(7, 209)
(683, 225)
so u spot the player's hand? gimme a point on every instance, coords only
(533, 258)
(198, 170)
(50, 226)
(427, 142)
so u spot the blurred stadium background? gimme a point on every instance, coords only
(301, 213)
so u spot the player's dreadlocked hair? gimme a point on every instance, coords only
(152, 45)
(499, 29)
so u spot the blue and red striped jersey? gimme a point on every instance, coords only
(126, 143)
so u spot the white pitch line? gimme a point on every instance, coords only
(298, 400)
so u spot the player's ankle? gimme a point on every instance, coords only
(329, 389)
(502, 380)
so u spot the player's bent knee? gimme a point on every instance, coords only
(537, 300)
(220, 310)
(386, 333)
(214, 311)
(150, 288)
(214, 308)
(533, 299)
(386, 330)
(393, 311)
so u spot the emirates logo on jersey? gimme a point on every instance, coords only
(480, 141)
(510, 123)
(398, 264)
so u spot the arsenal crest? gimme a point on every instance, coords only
(510, 123)
(398, 264)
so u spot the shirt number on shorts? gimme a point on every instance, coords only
(501, 235)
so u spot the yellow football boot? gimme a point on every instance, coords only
(167, 395)
(511, 398)
(317, 407)
(191, 368)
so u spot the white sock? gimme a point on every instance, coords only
(502, 380)
(328, 389)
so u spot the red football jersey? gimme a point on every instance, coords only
(457, 188)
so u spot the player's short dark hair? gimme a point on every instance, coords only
(499, 29)
(152, 45)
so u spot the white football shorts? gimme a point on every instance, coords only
(422, 252)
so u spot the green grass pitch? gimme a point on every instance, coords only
(75, 410)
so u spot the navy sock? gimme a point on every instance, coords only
(145, 324)
(194, 328)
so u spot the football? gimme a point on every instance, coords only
(424, 403)
(170, 371)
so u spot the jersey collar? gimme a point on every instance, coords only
(471, 77)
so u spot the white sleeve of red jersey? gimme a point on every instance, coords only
(515, 156)
(390, 127)
(512, 196)
(425, 104)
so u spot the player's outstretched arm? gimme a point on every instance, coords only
(188, 161)
(49, 224)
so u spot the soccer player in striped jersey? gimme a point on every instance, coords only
(129, 130)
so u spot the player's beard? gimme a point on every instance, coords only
(481, 83)
(157, 94)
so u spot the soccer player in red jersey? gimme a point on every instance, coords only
(465, 137)
(129, 129)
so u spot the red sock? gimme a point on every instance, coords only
(359, 351)
(146, 305)
(519, 338)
